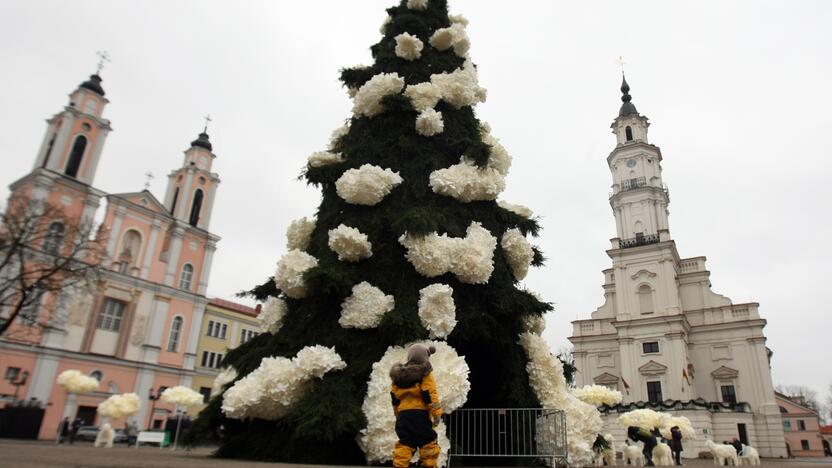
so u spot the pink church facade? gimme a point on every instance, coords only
(137, 329)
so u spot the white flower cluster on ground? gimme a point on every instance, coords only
(367, 185)
(417, 4)
(583, 422)
(298, 233)
(518, 252)
(76, 382)
(367, 100)
(270, 318)
(182, 395)
(454, 36)
(451, 373)
(598, 395)
(470, 258)
(461, 87)
(437, 310)
(350, 244)
(519, 210)
(270, 390)
(649, 419)
(429, 123)
(225, 377)
(365, 307)
(423, 96)
(120, 406)
(324, 158)
(289, 275)
(408, 47)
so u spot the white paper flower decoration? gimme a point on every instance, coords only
(458, 19)
(298, 233)
(350, 244)
(417, 4)
(466, 182)
(429, 123)
(182, 396)
(324, 158)
(518, 252)
(367, 185)
(469, 258)
(270, 318)
(366, 307)
(367, 100)
(423, 96)
(289, 275)
(120, 406)
(454, 36)
(519, 210)
(598, 395)
(337, 134)
(225, 377)
(461, 87)
(76, 382)
(437, 310)
(408, 47)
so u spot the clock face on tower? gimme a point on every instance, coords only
(631, 163)
(201, 162)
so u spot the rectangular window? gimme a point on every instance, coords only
(112, 312)
(804, 444)
(224, 329)
(650, 347)
(787, 425)
(729, 395)
(219, 360)
(210, 331)
(12, 373)
(801, 425)
(204, 358)
(206, 393)
(654, 392)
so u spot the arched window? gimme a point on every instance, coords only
(645, 299)
(54, 238)
(629, 133)
(195, 207)
(187, 277)
(97, 375)
(76, 156)
(175, 199)
(175, 333)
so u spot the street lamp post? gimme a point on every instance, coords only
(18, 380)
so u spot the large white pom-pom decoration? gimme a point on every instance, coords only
(408, 47)
(76, 382)
(583, 422)
(461, 87)
(649, 419)
(298, 233)
(454, 36)
(367, 185)
(598, 395)
(270, 390)
(429, 123)
(120, 406)
(417, 4)
(324, 158)
(367, 100)
(518, 252)
(289, 275)
(423, 96)
(182, 396)
(466, 182)
(350, 244)
(366, 307)
(437, 310)
(498, 158)
(270, 318)
(225, 377)
(451, 373)
(458, 19)
(519, 210)
(469, 258)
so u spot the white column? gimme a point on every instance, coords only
(150, 251)
(184, 196)
(114, 231)
(95, 155)
(91, 204)
(173, 258)
(144, 382)
(193, 336)
(210, 248)
(208, 206)
(43, 378)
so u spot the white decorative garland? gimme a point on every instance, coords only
(437, 310)
(408, 47)
(298, 233)
(429, 123)
(350, 244)
(270, 390)
(519, 210)
(366, 307)
(367, 100)
(469, 258)
(598, 395)
(76, 382)
(451, 373)
(518, 252)
(225, 377)
(120, 406)
(324, 158)
(289, 275)
(366, 185)
(271, 316)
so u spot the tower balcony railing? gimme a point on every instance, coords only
(638, 241)
(634, 183)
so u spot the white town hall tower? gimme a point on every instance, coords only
(662, 337)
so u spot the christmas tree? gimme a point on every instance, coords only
(409, 244)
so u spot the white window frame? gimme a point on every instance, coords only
(186, 277)
(175, 335)
(110, 319)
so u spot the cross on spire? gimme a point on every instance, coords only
(103, 57)
(149, 176)
(621, 63)
(207, 121)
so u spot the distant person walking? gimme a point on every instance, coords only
(676, 444)
(73, 432)
(63, 429)
(132, 431)
(637, 434)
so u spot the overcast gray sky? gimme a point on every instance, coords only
(739, 95)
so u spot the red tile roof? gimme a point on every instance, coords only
(233, 306)
(826, 430)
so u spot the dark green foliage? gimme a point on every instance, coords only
(322, 426)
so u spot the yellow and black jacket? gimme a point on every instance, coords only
(415, 402)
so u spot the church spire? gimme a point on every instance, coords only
(627, 108)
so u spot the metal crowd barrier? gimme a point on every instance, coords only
(535, 433)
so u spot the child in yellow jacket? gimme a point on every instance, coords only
(416, 405)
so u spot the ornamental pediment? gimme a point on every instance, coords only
(725, 373)
(606, 379)
(644, 273)
(652, 368)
